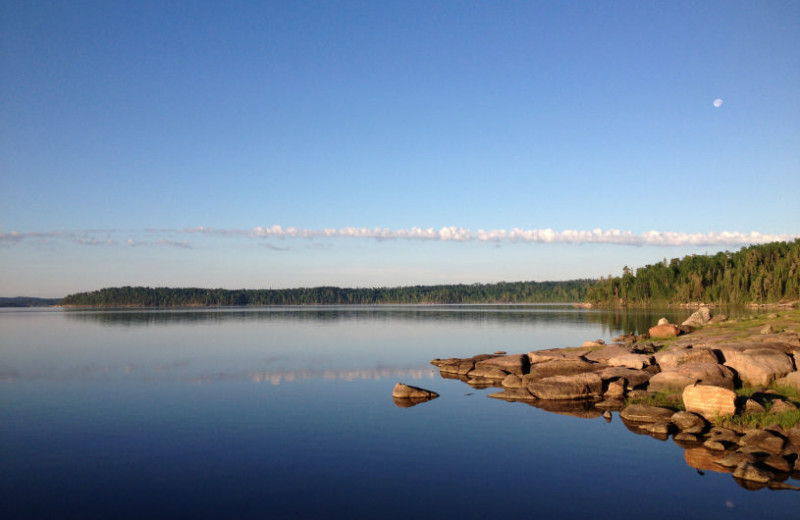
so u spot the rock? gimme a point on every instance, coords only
(753, 406)
(512, 381)
(644, 413)
(601, 355)
(758, 366)
(751, 472)
(782, 406)
(777, 463)
(664, 331)
(517, 364)
(575, 386)
(616, 389)
(724, 435)
(714, 445)
(766, 329)
(685, 438)
(614, 405)
(699, 318)
(733, 459)
(487, 372)
(455, 366)
(562, 367)
(762, 440)
(635, 361)
(513, 394)
(663, 321)
(543, 356)
(404, 391)
(792, 380)
(709, 401)
(635, 378)
(678, 378)
(607, 416)
(593, 344)
(689, 422)
(674, 358)
(657, 428)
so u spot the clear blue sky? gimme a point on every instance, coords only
(158, 143)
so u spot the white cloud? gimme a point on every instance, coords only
(161, 237)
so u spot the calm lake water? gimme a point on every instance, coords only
(287, 413)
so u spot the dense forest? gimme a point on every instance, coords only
(28, 301)
(761, 274)
(503, 292)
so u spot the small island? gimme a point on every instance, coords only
(727, 391)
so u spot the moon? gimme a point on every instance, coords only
(717, 103)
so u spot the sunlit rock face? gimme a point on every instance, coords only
(709, 401)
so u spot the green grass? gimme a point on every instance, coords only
(660, 399)
(785, 420)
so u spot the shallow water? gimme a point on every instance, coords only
(287, 413)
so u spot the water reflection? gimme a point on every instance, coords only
(611, 321)
(174, 372)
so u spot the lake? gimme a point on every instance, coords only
(287, 412)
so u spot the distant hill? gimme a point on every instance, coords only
(28, 301)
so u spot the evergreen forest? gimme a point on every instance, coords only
(760, 274)
(503, 292)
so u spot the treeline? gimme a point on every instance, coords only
(503, 292)
(28, 301)
(761, 274)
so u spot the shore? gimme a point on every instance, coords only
(727, 391)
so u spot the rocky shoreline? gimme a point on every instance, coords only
(727, 391)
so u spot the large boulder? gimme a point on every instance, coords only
(575, 386)
(487, 372)
(709, 401)
(678, 378)
(664, 331)
(517, 364)
(699, 318)
(668, 359)
(758, 366)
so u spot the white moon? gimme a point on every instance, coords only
(717, 102)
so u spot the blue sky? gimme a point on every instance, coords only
(391, 143)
